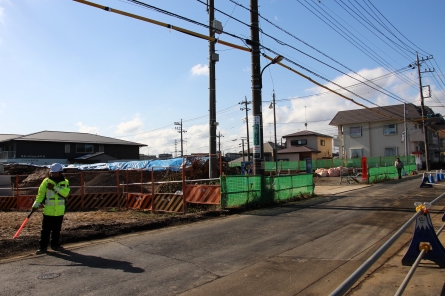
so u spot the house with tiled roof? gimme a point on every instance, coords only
(47, 147)
(394, 130)
(306, 144)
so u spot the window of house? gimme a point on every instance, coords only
(67, 148)
(298, 142)
(391, 151)
(101, 148)
(355, 131)
(390, 129)
(84, 148)
(356, 153)
(322, 142)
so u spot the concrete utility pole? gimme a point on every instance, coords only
(219, 141)
(425, 130)
(242, 141)
(406, 134)
(245, 102)
(275, 134)
(181, 131)
(258, 149)
(213, 57)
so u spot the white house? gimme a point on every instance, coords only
(385, 131)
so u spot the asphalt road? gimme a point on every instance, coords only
(300, 248)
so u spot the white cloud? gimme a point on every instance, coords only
(129, 126)
(87, 129)
(200, 70)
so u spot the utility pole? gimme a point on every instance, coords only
(181, 131)
(425, 130)
(275, 134)
(213, 58)
(258, 149)
(406, 134)
(242, 141)
(245, 102)
(219, 141)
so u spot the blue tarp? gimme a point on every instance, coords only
(173, 164)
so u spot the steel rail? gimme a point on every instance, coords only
(356, 275)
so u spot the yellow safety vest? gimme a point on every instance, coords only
(54, 199)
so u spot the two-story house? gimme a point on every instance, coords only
(306, 144)
(394, 130)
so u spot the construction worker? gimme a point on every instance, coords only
(399, 166)
(52, 193)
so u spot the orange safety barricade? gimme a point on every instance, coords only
(24, 202)
(74, 202)
(8, 202)
(203, 194)
(102, 200)
(139, 201)
(168, 202)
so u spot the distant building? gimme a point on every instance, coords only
(65, 147)
(165, 156)
(306, 144)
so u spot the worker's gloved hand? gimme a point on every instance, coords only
(50, 186)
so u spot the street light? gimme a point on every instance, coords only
(272, 105)
(275, 60)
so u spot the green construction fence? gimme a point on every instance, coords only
(244, 190)
(373, 162)
(388, 172)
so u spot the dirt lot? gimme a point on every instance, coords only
(84, 226)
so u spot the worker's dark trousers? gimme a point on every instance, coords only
(51, 226)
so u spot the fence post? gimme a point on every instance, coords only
(82, 191)
(220, 164)
(118, 188)
(153, 206)
(17, 185)
(141, 183)
(184, 208)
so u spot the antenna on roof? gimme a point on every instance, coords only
(305, 118)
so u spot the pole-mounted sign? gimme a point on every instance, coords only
(256, 137)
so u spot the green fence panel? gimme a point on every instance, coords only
(243, 190)
(302, 184)
(240, 190)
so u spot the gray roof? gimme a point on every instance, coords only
(393, 112)
(306, 133)
(7, 137)
(298, 149)
(71, 137)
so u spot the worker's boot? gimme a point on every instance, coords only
(41, 251)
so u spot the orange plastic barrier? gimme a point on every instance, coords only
(139, 201)
(203, 194)
(25, 202)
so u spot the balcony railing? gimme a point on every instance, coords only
(7, 154)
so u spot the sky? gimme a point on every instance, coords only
(67, 66)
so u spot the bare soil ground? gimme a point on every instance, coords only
(85, 226)
(90, 225)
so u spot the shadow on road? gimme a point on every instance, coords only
(95, 261)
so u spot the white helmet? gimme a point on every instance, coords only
(56, 168)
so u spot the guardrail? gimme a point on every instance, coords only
(421, 212)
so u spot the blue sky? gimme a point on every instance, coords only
(66, 66)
